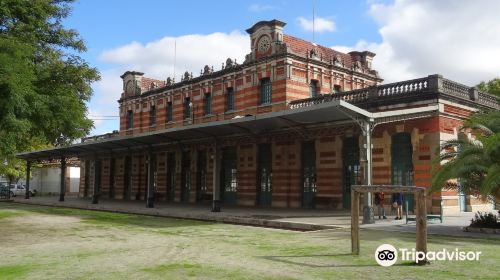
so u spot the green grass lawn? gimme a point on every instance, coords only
(58, 243)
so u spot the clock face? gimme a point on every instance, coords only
(129, 89)
(264, 44)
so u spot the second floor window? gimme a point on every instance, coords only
(208, 104)
(265, 91)
(313, 88)
(230, 99)
(169, 112)
(187, 108)
(152, 116)
(130, 119)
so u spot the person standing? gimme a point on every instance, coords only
(397, 202)
(379, 201)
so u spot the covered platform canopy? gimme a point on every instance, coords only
(336, 111)
(325, 112)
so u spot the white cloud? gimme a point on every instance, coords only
(156, 60)
(320, 24)
(458, 39)
(257, 8)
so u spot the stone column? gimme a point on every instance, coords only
(62, 190)
(28, 169)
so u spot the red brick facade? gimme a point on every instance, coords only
(291, 64)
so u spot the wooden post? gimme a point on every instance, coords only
(421, 221)
(355, 222)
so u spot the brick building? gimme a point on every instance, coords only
(291, 126)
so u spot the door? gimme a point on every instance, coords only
(170, 176)
(127, 178)
(350, 168)
(402, 164)
(185, 176)
(229, 178)
(112, 163)
(308, 174)
(201, 175)
(264, 175)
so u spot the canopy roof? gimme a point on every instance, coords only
(335, 111)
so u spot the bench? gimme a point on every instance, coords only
(430, 217)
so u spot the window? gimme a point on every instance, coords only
(336, 89)
(265, 91)
(152, 116)
(208, 104)
(187, 108)
(169, 112)
(313, 88)
(230, 99)
(130, 119)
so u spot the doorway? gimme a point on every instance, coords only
(201, 176)
(229, 178)
(402, 164)
(112, 163)
(350, 167)
(86, 186)
(308, 161)
(185, 176)
(264, 175)
(170, 176)
(127, 178)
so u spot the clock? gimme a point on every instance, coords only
(129, 88)
(264, 44)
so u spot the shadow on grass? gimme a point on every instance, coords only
(379, 235)
(295, 260)
(101, 218)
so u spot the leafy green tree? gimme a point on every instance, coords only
(492, 86)
(473, 161)
(44, 83)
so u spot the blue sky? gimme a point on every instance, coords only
(459, 39)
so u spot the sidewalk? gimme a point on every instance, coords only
(283, 218)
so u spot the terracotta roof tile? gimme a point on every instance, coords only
(302, 47)
(147, 84)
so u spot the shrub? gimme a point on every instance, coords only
(481, 219)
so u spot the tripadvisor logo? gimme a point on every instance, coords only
(387, 255)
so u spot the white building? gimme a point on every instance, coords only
(47, 180)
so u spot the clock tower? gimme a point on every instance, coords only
(265, 36)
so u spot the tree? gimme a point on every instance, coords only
(44, 83)
(492, 86)
(473, 161)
